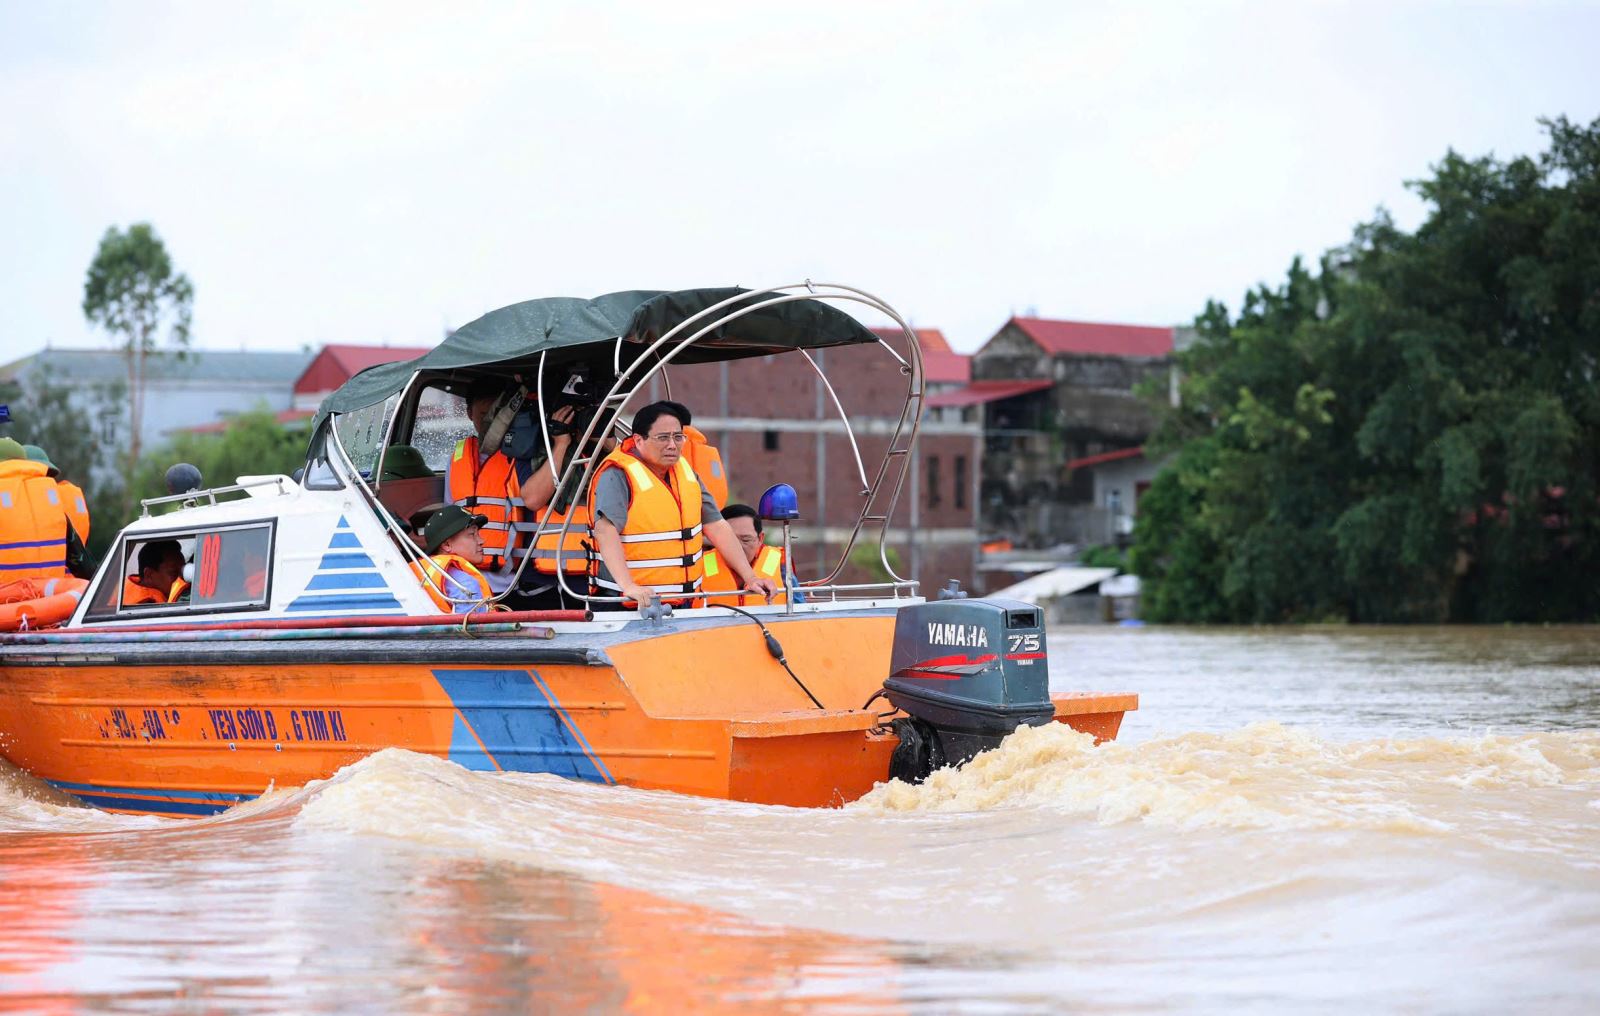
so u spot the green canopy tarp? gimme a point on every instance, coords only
(512, 338)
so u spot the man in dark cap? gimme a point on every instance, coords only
(450, 574)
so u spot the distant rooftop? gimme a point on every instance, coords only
(336, 364)
(1096, 339)
(94, 365)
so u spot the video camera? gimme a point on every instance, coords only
(572, 386)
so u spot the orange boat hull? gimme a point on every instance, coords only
(704, 711)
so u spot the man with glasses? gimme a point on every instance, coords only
(653, 518)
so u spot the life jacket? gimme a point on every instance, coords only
(76, 507)
(26, 604)
(550, 551)
(490, 489)
(134, 593)
(706, 461)
(435, 568)
(33, 524)
(179, 587)
(720, 578)
(662, 539)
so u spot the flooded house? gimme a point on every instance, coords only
(1064, 428)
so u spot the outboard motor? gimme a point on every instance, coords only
(966, 673)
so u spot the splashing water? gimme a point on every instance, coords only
(1336, 858)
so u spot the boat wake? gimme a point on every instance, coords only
(1121, 861)
(1264, 776)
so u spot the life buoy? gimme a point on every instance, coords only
(27, 604)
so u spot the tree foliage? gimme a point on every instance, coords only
(133, 292)
(1411, 432)
(58, 416)
(254, 444)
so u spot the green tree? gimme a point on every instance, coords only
(1410, 432)
(134, 294)
(254, 444)
(50, 411)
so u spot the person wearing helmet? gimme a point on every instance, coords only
(37, 540)
(72, 500)
(453, 539)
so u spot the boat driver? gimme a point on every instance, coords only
(653, 517)
(485, 482)
(160, 566)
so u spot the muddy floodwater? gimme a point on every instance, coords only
(1393, 819)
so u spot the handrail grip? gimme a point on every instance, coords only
(211, 492)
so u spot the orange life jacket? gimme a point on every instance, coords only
(26, 604)
(490, 489)
(135, 593)
(76, 507)
(179, 587)
(33, 524)
(720, 578)
(435, 568)
(662, 538)
(549, 548)
(550, 551)
(706, 461)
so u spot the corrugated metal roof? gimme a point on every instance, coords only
(91, 365)
(1057, 582)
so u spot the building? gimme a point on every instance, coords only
(775, 421)
(1059, 409)
(335, 364)
(196, 388)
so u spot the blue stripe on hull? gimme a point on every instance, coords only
(352, 602)
(347, 580)
(521, 724)
(195, 802)
(197, 795)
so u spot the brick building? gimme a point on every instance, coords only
(775, 422)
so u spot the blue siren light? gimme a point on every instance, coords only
(779, 503)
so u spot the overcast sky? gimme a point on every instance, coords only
(375, 173)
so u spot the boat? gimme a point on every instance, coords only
(307, 640)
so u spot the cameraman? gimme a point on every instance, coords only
(485, 481)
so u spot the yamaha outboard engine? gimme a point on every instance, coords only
(967, 673)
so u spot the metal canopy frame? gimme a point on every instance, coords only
(880, 493)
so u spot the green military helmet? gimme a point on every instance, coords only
(10, 449)
(403, 462)
(37, 454)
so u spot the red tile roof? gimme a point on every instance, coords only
(979, 392)
(946, 368)
(1089, 338)
(336, 364)
(932, 339)
(1095, 460)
